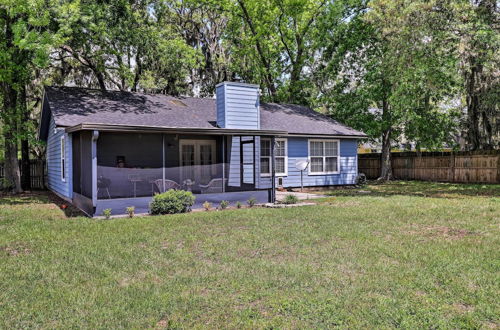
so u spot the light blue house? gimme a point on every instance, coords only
(116, 149)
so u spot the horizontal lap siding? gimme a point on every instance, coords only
(54, 180)
(240, 108)
(298, 150)
(221, 117)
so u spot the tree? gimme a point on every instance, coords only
(27, 32)
(274, 44)
(475, 27)
(385, 73)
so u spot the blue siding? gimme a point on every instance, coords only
(238, 106)
(54, 181)
(298, 150)
(221, 112)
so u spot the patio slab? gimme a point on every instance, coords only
(280, 195)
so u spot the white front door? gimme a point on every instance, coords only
(197, 160)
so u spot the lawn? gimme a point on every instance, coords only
(395, 255)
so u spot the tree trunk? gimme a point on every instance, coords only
(386, 165)
(25, 148)
(10, 117)
(12, 173)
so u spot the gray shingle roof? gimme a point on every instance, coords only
(71, 106)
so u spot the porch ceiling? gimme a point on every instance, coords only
(173, 130)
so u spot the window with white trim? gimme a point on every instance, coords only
(63, 159)
(280, 157)
(265, 157)
(324, 157)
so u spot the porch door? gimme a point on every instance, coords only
(197, 158)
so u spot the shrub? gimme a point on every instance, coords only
(224, 204)
(252, 201)
(238, 205)
(290, 199)
(5, 185)
(207, 206)
(106, 213)
(130, 211)
(172, 201)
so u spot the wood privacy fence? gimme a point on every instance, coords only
(38, 174)
(462, 166)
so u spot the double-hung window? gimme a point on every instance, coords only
(265, 157)
(323, 156)
(63, 159)
(280, 156)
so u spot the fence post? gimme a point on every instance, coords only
(452, 164)
(498, 168)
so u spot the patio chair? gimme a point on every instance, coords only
(214, 186)
(169, 184)
(103, 184)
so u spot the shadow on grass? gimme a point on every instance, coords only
(41, 197)
(420, 189)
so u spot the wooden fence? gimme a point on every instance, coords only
(463, 166)
(38, 173)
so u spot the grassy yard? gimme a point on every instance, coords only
(396, 255)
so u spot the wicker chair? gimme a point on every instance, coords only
(214, 186)
(169, 184)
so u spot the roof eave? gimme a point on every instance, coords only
(172, 130)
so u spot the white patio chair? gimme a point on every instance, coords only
(214, 186)
(169, 184)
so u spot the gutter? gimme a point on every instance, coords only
(173, 130)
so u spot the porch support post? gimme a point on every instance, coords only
(163, 159)
(273, 171)
(223, 163)
(95, 136)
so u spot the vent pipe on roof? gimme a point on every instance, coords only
(238, 105)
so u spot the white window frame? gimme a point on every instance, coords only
(324, 156)
(285, 157)
(63, 158)
(265, 175)
(270, 158)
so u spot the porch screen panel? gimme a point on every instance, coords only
(129, 165)
(86, 163)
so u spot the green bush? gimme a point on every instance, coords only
(172, 201)
(224, 204)
(252, 201)
(5, 185)
(106, 213)
(238, 205)
(130, 211)
(207, 205)
(290, 199)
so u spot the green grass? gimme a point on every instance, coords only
(389, 258)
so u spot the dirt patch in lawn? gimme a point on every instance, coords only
(432, 232)
(463, 308)
(16, 249)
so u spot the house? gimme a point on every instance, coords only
(114, 149)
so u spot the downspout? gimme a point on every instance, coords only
(163, 160)
(223, 163)
(95, 136)
(273, 172)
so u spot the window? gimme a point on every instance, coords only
(63, 159)
(265, 157)
(280, 157)
(323, 156)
